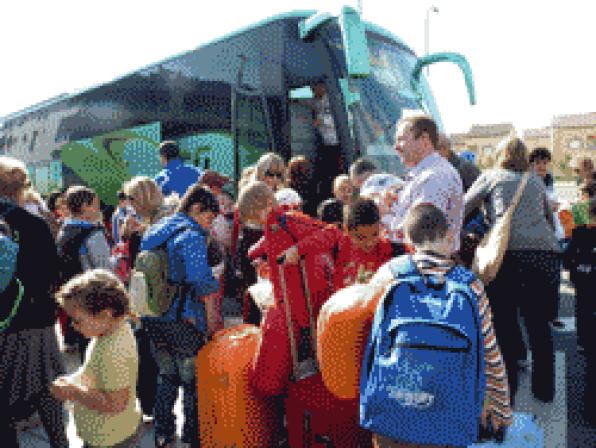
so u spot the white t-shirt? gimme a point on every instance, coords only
(326, 126)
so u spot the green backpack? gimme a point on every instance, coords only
(151, 292)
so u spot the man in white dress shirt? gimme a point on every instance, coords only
(431, 178)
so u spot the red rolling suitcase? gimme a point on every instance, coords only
(315, 417)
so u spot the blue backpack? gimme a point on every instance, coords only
(422, 378)
(11, 289)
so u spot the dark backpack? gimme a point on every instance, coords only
(422, 378)
(69, 252)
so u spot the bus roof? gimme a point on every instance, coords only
(288, 15)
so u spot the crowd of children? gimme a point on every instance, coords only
(214, 248)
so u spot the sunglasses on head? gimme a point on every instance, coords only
(274, 174)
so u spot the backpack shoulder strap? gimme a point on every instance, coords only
(283, 223)
(15, 292)
(177, 232)
(181, 288)
(459, 279)
(404, 271)
(403, 266)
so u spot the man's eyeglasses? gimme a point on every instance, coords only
(274, 174)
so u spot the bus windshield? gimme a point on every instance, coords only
(384, 97)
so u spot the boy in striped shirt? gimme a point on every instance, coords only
(426, 230)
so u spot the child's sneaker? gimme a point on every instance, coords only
(162, 442)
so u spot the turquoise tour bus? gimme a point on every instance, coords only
(229, 101)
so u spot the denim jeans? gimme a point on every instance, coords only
(174, 372)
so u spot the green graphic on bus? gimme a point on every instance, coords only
(105, 162)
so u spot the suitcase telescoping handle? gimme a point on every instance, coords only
(313, 327)
(308, 367)
(282, 281)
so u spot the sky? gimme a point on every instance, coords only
(531, 60)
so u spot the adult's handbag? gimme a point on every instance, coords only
(491, 250)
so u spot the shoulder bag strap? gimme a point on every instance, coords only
(520, 190)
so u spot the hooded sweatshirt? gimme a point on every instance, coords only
(186, 244)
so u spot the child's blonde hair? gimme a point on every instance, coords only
(145, 195)
(94, 291)
(248, 175)
(254, 198)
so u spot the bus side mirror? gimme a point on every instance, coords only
(456, 58)
(355, 43)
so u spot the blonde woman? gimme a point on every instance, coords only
(271, 169)
(29, 355)
(149, 205)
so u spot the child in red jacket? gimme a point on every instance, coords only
(312, 412)
(357, 253)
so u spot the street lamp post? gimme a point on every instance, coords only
(426, 30)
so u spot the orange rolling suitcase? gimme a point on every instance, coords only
(343, 327)
(230, 414)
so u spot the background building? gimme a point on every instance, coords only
(568, 137)
(482, 140)
(573, 137)
(538, 138)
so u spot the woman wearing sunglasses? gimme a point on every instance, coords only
(271, 169)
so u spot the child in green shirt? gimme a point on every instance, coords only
(103, 390)
(580, 210)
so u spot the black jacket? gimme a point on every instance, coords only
(37, 264)
(580, 256)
